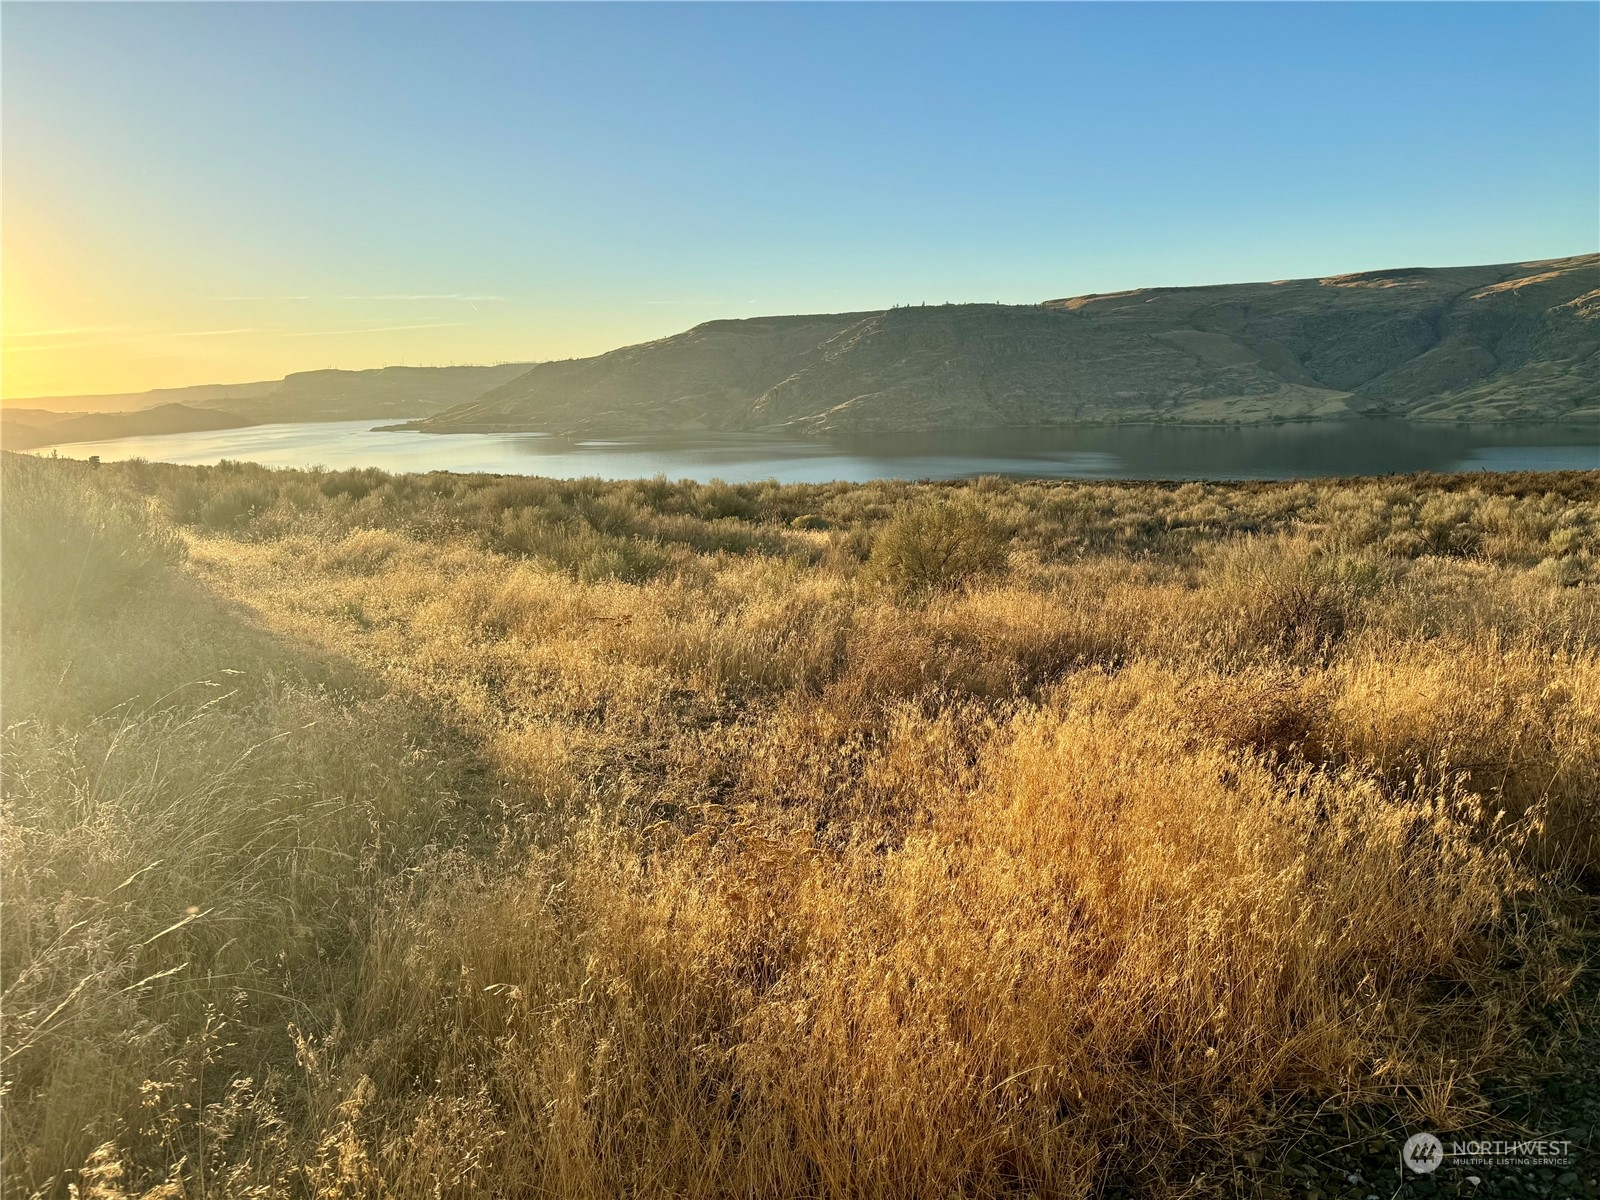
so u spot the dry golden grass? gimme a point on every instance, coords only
(595, 840)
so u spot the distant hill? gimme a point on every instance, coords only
(1518, 341)
(30, 428)
(383, 393)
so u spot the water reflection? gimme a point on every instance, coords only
(1138, 452)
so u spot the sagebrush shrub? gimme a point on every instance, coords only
(929, 547)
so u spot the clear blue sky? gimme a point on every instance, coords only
(202, 192)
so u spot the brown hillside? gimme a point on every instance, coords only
(397, 393)
(1509, 342)
(27, 429)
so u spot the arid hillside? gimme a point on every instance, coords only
(397, 393)
(29, 428)
(1493, 343)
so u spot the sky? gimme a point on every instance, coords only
(205, 193)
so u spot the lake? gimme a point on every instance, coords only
(1102, 452)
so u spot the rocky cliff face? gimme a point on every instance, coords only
(1512, 342)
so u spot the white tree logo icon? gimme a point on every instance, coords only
(1423, 1152)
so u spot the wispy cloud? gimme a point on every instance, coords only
(40, 348)
(463, 297)
(75, 331)
(378, 329)
(45, 340)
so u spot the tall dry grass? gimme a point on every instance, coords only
(677, 839)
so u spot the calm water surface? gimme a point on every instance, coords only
(1129, 452)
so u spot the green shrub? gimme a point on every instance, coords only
(577, 547)
(930, 547)
(1298, 600)
(715, 500)
(236, 506)
(357, 483)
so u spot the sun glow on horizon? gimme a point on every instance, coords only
(76, 321)
(202, 194)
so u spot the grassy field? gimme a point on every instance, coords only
(426, 836)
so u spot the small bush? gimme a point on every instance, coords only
(1298, 601)
(357, 483)
(932, 547)
(235, 506)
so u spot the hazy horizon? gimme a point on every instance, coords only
(19, 401)
(220, 194)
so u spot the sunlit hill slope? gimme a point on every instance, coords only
(1490, 343)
